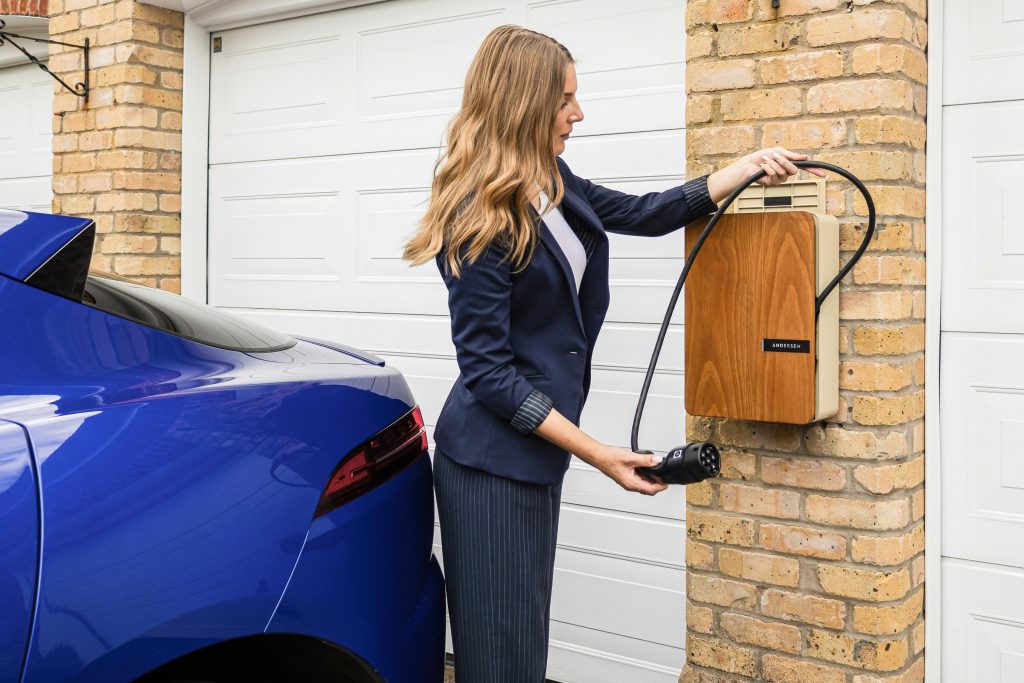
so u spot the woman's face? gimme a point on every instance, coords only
(569, 113)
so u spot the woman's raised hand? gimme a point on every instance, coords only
(776, 162)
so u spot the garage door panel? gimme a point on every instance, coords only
(281, 236)
(586, 486)
(26, 97)
(321, 234)
(606, 658)
(650, 155)
(632, 599)
(27, 194)
(983, 628)
(629, 346)
(301, 98)
(981, 382)
(26, 157)
(983, 258)
(391, 85)
(982, 385)
(983, 51)
(612, 402)
(367, 79)
(396, 74)
(612, 533)
(385, 219)
(621, 90)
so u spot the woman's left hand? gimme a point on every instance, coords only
(776, 162)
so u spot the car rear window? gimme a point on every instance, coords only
(179, 316)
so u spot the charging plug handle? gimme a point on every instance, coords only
(685, 465)
(868, 234)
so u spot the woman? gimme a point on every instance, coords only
(521, 245)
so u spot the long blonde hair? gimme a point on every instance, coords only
(499, 153)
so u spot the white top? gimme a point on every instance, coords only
(571, 246)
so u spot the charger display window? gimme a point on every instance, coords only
(762, 322)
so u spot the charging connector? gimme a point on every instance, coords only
(685, 465)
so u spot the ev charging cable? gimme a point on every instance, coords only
(699, 461)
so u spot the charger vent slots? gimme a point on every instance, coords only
(795, 195)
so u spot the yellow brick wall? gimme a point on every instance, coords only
(805, 559)
(117, 156)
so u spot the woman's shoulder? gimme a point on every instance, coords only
(569, 179)
(563, 168)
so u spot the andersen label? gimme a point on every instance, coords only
(786, 345)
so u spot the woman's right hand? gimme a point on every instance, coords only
(620, 465)
(617, 463)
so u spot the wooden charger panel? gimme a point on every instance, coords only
(750, 327)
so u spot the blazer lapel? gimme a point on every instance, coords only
(579, 206)
(551, 244)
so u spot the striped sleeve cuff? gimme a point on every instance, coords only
(697, 196)
(532, 412)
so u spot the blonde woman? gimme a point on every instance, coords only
(521, 245)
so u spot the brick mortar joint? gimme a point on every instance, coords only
(844, 50)
(720, 610)
(847, 534)
(846, 494)
(846, 562)
(801, 521)
(847, 629)
(759, 651)
(132, 148)
(841, 10)
(732, 677)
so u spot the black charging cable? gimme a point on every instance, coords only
(698, 461)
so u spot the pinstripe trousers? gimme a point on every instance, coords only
(498, 538)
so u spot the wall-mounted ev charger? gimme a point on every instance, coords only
(762, 315)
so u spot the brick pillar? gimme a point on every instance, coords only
(805, 559)
(117, 156)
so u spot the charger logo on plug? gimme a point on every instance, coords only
(786, 345)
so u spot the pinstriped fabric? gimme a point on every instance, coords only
(498, 537)
(584, 233)
(697, 196)
(532, 412)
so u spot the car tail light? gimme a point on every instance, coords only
(375, 461)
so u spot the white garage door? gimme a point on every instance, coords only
(323, 135)
(982, 339)
(26, 157)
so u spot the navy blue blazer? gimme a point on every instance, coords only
(524, 340)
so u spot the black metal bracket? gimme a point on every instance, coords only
(80, 89)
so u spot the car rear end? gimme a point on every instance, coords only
(265, 501)
(366, 576)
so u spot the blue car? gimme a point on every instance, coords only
(187, 496)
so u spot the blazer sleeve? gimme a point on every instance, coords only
(479, 301)
(652, 214)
